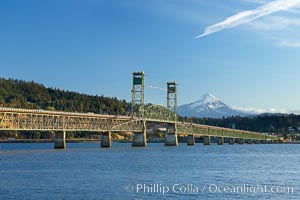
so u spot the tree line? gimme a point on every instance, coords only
(23, 94)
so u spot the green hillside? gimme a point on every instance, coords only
(23, 94)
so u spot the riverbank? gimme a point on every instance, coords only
(47, 140)
(292, 142)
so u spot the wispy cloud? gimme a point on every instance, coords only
(257, 1)
(260, 111)
(289, 44)
(250, 15)
(272, 23)
(284, 30)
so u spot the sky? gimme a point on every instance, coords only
(245, 52)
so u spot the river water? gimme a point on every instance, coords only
(85, 171)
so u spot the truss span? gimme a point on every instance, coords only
(158, 113)
(25, 119)
(41, 120)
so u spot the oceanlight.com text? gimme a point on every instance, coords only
(163, 189)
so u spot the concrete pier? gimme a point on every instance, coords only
(171, 135)
(206, 140)
(241, 140)
(60, 140)
(269, 141)
(263, 142)
(231, 141)
(139, 138)
(220, 140)
(191, 140)
(256, 141)
(249, 141)
(106, 140)
(237, 140)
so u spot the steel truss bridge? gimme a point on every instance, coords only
(43, 120)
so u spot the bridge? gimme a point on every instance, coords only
(141, 115)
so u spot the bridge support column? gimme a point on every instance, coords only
(231, 141)
(191, 140)
(249, 141)
(269, 142)
(60, 140)
(106, 140)
(206, 140)
(241, 140)
(139, 138)
(220, 140)
(256, 141)
(263, 141)
(171, 135)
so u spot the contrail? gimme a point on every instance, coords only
(154, 87)
(249, 15)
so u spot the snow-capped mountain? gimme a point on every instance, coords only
(210, 106)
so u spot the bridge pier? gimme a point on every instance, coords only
(206, 140)
(241, 141)
(231, 141)
(171, 135)
(139, 138)
(269, 142)
(191, 140)
(263, 141)
(60, 140)
(220, 140)
(249, 141)
(106, 140)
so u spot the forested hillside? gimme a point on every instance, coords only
(22, 94)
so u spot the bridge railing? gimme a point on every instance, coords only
(204, 130)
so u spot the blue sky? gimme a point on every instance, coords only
(247, 59)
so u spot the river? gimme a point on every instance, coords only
(85, 171)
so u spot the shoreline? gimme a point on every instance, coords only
(48, 141)
(71, 141)
(95, 141)
(292, 142)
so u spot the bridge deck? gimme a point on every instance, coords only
(42, 120)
